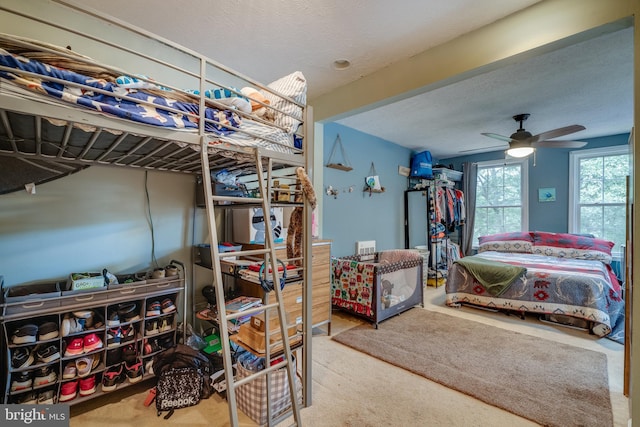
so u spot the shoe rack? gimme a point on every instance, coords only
(73, 346)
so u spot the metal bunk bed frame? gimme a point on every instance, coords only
(59, 134)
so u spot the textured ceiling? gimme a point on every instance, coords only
(589, 83)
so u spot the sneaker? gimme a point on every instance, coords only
(47, 397)
(71, 325)
(21, 358)
(84, 365)
(48, 331)
(166, 324)
(112, 377)
(168, 306)
(113, 319)
(114, 337)
(74, 347)
(166, 341)
(69, 371)
(128, 312)
(92, 342)
(88, 385)
(151, 346)
(47, 353)
(44, 375)
(21, 381)
(68, 391)
(97, 358)
(114, 356)
(153, 309)
(151, 327)
(98, 320)
(128, 333)
(25, 334)
(29, 398)
(134, 371)
(148, 366)
(129, 353)
(85, 316)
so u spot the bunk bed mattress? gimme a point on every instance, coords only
(44, 81)
(585, 289)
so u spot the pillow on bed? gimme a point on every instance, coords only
(519, 241)
(565, 245)
(295, 87)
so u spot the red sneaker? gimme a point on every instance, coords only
(88, 385)
(68, 391)
(74, 347)
(92, 342)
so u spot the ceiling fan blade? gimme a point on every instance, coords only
(556, 133)
(496, 136)
(559, 144)
(484, 149)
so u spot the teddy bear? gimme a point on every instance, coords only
(256, 98)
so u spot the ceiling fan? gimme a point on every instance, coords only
(522, 143)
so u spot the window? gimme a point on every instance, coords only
(597, 193)
(501, 197)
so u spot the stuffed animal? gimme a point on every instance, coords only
(258, 109)
(294, 233)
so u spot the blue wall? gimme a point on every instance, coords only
(354, 216)
(551, 170)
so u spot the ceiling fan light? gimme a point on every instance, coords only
(520, 151)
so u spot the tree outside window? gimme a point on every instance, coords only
(501, 197)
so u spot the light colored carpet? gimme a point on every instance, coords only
(351, 388)
(550, 383)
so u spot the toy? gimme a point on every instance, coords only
(256, 98)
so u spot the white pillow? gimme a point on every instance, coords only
(295, 87)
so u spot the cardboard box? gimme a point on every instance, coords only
(249, 225)
(258, 320)
(255, 339)
(83, 281)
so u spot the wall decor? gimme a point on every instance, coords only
(547, 194)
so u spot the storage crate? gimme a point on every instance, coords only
(83, 281)
(204, 252)
(36, 296)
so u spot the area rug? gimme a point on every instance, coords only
(550, 383)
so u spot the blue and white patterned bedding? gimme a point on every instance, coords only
(141, 106)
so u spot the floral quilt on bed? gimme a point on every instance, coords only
(581, 288)
(144, 108)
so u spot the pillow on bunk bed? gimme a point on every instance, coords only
(519, 241)
(293, 86)
(565, 245)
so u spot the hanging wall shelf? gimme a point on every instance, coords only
(346, 165)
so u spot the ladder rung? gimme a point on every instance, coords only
(251, 310)
(244, 253)
(261, 373)
(237, 199)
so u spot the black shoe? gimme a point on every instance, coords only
(29, 398)
(128, 333)
(48, 353)
(114, 337)
(25, 334)
(151, 346)
(166, 341)
(21, 381)
(114, 356)
(128, 312)
(44, 375)
(22, 357)
(112, 377)
(48, 331)
(129, 353)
